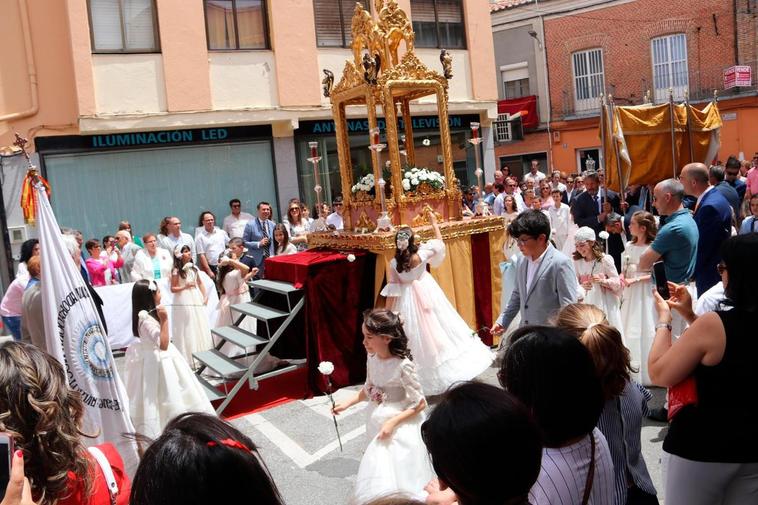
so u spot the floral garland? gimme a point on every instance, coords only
(414, 177)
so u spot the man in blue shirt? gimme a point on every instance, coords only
(676, 242)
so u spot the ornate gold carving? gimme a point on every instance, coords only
(364, 222)
(411, 69)
(351, 78)
(391, 82)
(396, 27)
(362, 196)
(422, 218)
(384, 241)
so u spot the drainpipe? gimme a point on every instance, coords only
(736, 36)
(31, 68)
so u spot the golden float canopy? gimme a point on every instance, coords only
(377, 77)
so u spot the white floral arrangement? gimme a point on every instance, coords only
(414, 177)
(365, 184)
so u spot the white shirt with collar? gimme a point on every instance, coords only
(335, 220)
(234, 226)
(700, 198)
(532, 267)
(212, 244)
(536, 178)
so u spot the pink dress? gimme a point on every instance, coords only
(445, 350)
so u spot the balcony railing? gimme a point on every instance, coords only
(696, 84)
(508, 130)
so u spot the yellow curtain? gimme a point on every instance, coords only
(645, 133)
(497, 240)
(456, 277)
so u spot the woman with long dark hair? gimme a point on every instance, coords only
(446, 350)
(159, 383)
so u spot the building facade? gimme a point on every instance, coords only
(138, 109)
(628, 49)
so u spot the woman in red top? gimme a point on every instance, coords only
(44, 418)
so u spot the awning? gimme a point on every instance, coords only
(524, 107)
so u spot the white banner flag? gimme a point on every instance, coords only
(75, 336)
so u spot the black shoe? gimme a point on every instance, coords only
(661, 415)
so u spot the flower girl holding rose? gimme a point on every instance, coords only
(395, 460)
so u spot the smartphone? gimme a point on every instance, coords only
(661, 283)
(6, 456)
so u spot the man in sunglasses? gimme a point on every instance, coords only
(335, 218)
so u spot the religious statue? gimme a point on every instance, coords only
(447, 63)
(371, 68)
(327, 82)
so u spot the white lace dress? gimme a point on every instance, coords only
(236, 291)
(159, 384)
(445, 350)
(398, 464)
(605, 295)
(189, 320)
(638, 316)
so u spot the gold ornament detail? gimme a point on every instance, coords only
(396, 27)
(385, 241)
(364, 222)
(411, 69)
(351, 78)
(422, 219)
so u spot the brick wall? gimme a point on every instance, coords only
(624, 32)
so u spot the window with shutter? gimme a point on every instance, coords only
(438, 23)
(236, 24)
(123, 26)
(334, 21)
(589, 79)
(669, 55)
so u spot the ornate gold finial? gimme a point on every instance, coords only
(21, 142)
(447, 63)
(327, 82)
(394, 27)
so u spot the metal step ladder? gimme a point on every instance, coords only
(271, 324)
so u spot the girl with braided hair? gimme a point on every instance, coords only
(444, 348)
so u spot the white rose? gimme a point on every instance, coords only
(143, 314)
(603, 235)
(326, 367)
(426, 142)
(423, 177)
(350, 258)
(406, 185)
(414, 181)
(408, 175)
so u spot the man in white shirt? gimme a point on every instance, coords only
(234, 223)
(555, 182)
(335, 218)
(174, 236)
(210, 242)
(535, 175)
(510, 189)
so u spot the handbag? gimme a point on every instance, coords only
(681, 395)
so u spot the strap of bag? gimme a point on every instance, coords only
(590, 473)
(105, 466)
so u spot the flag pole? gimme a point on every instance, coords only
(673, 132)
(622, 189)
(689, 125)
